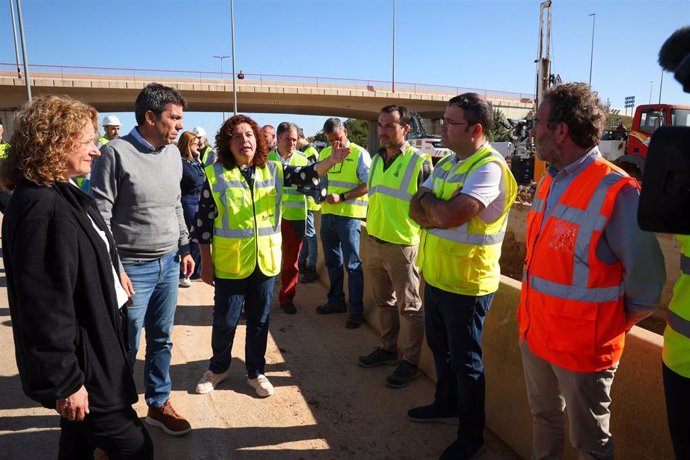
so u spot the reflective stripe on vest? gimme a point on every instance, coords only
(294, 203)
(676, 351)
(390, 192)
(465, 259)
(252, 235)
(571, 303)
(341, 179)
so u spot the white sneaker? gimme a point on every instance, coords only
(261, 385)
(210, 380)
(185, 282)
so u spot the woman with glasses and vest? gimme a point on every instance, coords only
(66, 300)
(238, 227)
(193, 178)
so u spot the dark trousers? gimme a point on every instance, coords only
(454, 325)
(119, 434)
(293, 234)
(255, 293)
(190, 205)
(677, 391)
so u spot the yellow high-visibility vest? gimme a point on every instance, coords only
(246, 230)
(676, 351)
(464, 259)
(341, 179)
(294, 203)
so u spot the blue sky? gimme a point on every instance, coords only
(484, 44)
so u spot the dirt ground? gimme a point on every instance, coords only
(325, 405)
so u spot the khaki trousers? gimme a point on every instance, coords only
(586, 395)
(394, 281)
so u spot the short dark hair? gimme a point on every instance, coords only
(576, 105)
(475, 108)
(405, 115)
(155, 97)
(332, 125)
(286, 126)
(223, 142)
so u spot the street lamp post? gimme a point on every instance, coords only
(24, 58)
(232, 38)
(221, 73)
(393, 78)
(591, 54)
(651, 85)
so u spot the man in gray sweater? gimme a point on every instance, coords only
(136, 185)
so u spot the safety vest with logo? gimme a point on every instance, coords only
(294, 203)
(204, 155)
(246, 230)
(341, 179)
(464, 259)
(390, 192)
(571, 307)
(676, 352)
(313, 157)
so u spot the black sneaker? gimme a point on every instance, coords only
(378, 357)
(331, 307)
(310, 276)
(432, 414)
(464, 450)
(353, 322)
(289, 308)
(402, 375)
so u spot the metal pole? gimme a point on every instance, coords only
(14, 34)
(651, 85)
(591, 54)
(393, 78)
(26, 60)
(661, 85)
(232, 29)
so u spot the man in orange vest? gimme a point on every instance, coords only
(590, 275)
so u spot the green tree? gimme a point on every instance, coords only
(357, 132)
(498, 131)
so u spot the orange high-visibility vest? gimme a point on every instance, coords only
(571, 308)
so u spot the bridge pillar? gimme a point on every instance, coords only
(8, 117)
(373, 134)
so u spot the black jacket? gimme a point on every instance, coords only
(67, 327)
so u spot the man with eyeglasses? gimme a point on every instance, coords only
(590, 274)
(341, 214)
(463, 211)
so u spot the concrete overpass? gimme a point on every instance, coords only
(114, 90)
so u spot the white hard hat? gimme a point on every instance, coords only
(199, 131)
(111, 120)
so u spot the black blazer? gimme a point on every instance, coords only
(68, 329)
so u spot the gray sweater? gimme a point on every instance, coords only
(137, 190)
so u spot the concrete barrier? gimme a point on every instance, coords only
(638, 410)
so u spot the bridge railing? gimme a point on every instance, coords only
(65, 72)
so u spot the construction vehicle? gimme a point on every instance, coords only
(429, 144)
(647, 119)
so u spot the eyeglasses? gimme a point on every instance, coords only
(449, 123)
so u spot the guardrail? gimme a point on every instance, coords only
(66, 72)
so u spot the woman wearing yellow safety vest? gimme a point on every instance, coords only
(238, 229)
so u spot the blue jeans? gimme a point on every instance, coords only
(154, 303)
(454, 325)
(310, 250)
(255, 293)
(190, 205)
(340, 239)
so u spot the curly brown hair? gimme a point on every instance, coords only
(47, 129)
(185, 144)
(576, 105)
(223, 142)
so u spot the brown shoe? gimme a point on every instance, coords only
(168, 420)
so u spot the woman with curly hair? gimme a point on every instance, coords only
(66, 300)
(193, 178)
(238, 229)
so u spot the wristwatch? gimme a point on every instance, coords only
(342, 197)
